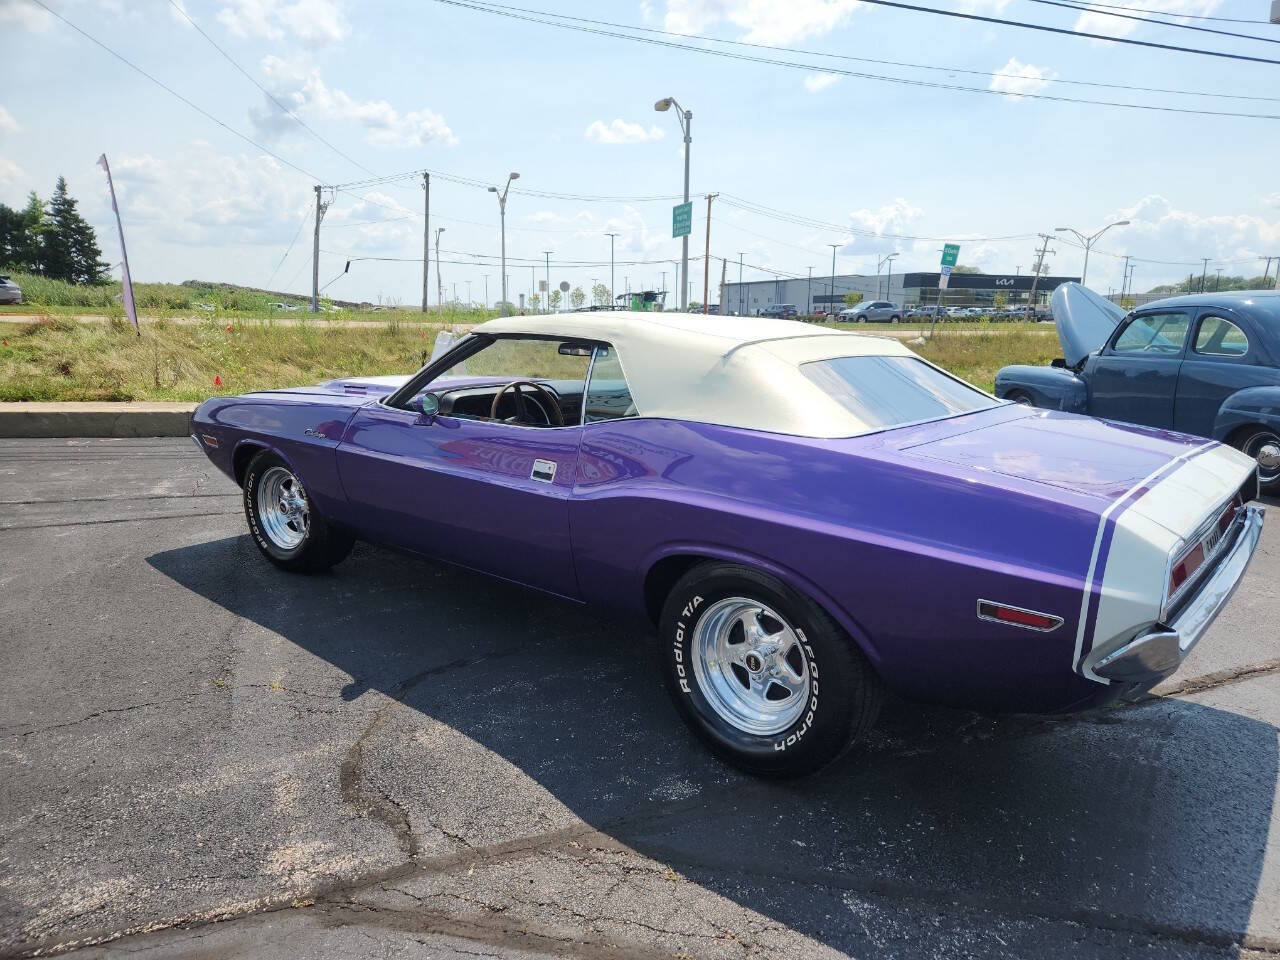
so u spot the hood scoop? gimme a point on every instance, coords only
(1084, 320)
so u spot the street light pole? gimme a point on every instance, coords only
(502, 216)
(686, 125)
(1088, 243)
(439, 282)
(742, 292)
(808, 297)
(546, 306)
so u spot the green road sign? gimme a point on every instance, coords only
(950, 254)
(682, 219)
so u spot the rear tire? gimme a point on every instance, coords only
(1263, 445)
(283, 521)
(740, 656)
(1020, 396)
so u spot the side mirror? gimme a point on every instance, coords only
(430, 404)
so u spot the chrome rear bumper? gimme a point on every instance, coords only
(1150, 657)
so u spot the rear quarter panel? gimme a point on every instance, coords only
(898, 554)
(280, 421)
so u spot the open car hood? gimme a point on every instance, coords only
(1084, 320)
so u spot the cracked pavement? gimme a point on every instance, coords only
(203, 756)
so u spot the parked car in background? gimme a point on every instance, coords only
(1207, 364)
(779, 310)
(10, 292)
(919, 312)
(871, 311)
(282, 306)
(770, 494)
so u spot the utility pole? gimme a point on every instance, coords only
(486, 291)
(1203, 272)
(612, 281)
(742, 291)
(426, 238)
(439, 282)
(315, 253)
(706, 260)
(1037, 270)
(1217, 283)
(546, 307)
(724, 270)
(1125, 279)
(808, 300)
(1266, 271)
(832, 303)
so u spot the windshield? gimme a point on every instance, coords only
(886, 392)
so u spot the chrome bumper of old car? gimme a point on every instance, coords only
(1152, 656)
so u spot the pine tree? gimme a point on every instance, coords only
(11, 236)
(71, 249)
(28, 251)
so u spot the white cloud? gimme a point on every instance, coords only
(7, 123)
(1160, 231)
(11, 178)
(315, 23)
(765, 21)
(621, 131)
(813, 82)
(25, 14)
(198, 196)
(1018, 78)
(891, 218)
(303, 89)
(1118, 26)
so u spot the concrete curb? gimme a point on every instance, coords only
(95, 419)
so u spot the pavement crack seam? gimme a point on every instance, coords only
(1222, 678)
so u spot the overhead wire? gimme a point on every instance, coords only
(1162, 23)
(702, 38)
(168, 89)
(270, 96)
(511, 13)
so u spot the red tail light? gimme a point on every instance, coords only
(1017, 616)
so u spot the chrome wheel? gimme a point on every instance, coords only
(283, 511)
(750, 667)
(1264, 446)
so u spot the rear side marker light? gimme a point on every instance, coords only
(209, 440)
(1017, 616)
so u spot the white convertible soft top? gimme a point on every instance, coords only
(735, 371)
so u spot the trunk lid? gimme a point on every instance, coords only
(1097, 459)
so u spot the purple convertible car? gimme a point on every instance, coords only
(808, 516)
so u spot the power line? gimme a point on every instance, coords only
(824, 68)
(1070, 33)
(888, 63)
(1090, 4)
(203, 112)
(1163, 23)
(270, 96)
(289, 249)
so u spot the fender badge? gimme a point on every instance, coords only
(544, 471)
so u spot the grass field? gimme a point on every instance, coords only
(61, 359)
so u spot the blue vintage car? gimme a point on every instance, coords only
(1207, 364)
(807, 516)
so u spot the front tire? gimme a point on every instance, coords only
(283, 521)
(742, 657)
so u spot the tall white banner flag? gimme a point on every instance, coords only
(127, 293)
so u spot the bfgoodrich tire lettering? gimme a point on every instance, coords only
(308, 543)
(803, 653)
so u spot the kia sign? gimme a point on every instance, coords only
(981, 281)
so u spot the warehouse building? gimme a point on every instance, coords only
(826, 294)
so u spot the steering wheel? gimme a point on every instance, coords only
(522, 404)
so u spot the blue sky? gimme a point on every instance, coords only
(399, 85)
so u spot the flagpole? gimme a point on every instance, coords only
(126, 287)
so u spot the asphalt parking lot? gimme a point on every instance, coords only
(203, 756)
